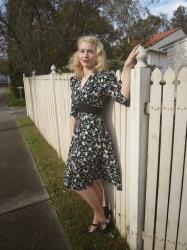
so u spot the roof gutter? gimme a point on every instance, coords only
(156, 50)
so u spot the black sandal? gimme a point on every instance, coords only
(108, 228)
(87, 230)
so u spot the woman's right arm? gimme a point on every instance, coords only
(72, 122)
(73, 111)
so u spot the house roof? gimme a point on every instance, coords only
(159, 36)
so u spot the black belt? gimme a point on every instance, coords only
(87, 108)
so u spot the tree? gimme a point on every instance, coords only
(143, 28)
(123, 14)
(40, 33)
(165, 22)
(179, 19)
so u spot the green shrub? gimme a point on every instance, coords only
(12, 100)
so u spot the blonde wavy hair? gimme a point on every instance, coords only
(101, 62)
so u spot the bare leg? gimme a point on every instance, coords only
(99, 191)
(90, 196)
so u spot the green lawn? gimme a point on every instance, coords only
(73, 211)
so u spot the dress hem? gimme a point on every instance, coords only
(118, 186)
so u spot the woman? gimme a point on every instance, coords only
(91, 156)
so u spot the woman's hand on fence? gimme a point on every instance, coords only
(131, 59)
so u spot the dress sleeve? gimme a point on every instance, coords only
(113, 89)
(73, 111)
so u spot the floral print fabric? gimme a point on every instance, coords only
(91, 154)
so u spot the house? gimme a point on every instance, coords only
(167, 48)
(4, 79)
(176, 54)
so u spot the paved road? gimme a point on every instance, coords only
(27, 220)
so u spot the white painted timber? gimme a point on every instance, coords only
(138, 138)
(152, 158)
(165, 158)
(118, 153)
(182, 234)
(178, 161)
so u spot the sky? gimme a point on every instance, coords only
(165, 6)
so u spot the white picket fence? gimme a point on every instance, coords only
(166, 196)
(150, 141)
(48, 104)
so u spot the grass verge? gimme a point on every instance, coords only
(12, 100)
(73, 211)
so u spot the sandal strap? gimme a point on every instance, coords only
(95, 225)
(87, 230)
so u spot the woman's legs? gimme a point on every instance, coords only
(91, 197)
(99, 191)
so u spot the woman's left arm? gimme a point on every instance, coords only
(129, 64)
(126, 82)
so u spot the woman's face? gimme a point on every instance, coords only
(87, 55)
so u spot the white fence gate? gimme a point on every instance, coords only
(150, 142)
(166, 190)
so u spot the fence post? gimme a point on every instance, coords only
(53, 75)
(25, 89)
(140, 88)
(35, 109)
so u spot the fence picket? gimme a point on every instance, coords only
(112, 187)
(118, 153)
(152, 161)
(165, 158)
(126, 182)
(182, 234)
(177, 161)
(45, 110)
(123, 138)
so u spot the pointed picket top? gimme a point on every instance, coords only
(155, 90)
(182, 88)
(169, 88)
(33, 73)
(53, 69)
(156, 75)
(182, 75)
(169, 91)
(169, 75)
(23, 75)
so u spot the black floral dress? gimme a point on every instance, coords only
(91, 154)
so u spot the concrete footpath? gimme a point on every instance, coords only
(27, 219)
